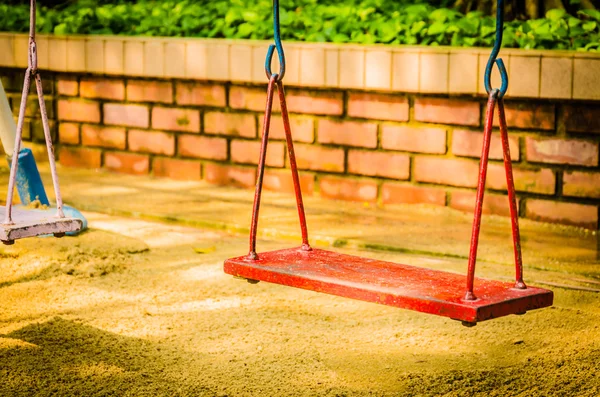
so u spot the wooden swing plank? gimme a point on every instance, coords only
(408, 287)
(32, 223)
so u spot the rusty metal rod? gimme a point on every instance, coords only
(15, 158)
(293, 166)
(49, 146)
(261, 166)
(483, 165)
(512, 200)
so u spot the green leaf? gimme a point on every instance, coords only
(589, 26)
(436, 28)
(340, 38)
(250, 16)
(417, 27)
(555, 14)
(592, 14)
(244, 30)
(61, 29)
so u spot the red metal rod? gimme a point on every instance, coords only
(294, 167)
(483, 165)
(512, 200)
(261, 166)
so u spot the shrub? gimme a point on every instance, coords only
(338, 21)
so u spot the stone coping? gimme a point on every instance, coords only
(418, 69)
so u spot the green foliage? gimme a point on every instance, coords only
(338, 21)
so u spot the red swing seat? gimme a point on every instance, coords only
(392, 284)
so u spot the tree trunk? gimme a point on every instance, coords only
(587, 5)
(532, 9)
(485, 6)
(552, 4)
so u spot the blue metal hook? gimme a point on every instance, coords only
(277, 45)
(495, 51)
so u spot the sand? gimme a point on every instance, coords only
(136, 308)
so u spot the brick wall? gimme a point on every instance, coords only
(350, 145)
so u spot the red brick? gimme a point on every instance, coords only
(40, 153)
(317, 158)
(73, 110)
(388, 165)
(444, 171)
(32, 108)
(126, 115)
(37, 130)
(303, 128)
(69, 87)
(202, 147)
(251, 99)
(234, 124)
(348, 189)
(413, 139)
(230, 175)
(80, 157)
(176, 169)
(396, 193)
(565, 213)
(470, 144)
(151, 142)
(447, 111)
(541, 181)
(128, 163)
(201, 94)
(378, 107)
(315, 102)
(583, 118)
(109, 137)
(349, 133)
(493, 204)
(103, 89)
(281, 181)
(581, 184)
(68, 133)
(528, 116)
(172, 119)
(562, 151)
(26, 131)
(247, 152)
(150, 91)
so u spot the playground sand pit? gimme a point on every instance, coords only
(136, 308)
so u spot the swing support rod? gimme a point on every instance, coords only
(276, 82)
(493, 102)
(495, 99)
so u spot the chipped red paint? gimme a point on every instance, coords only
(392, 284)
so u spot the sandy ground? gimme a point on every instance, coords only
(136, 308)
